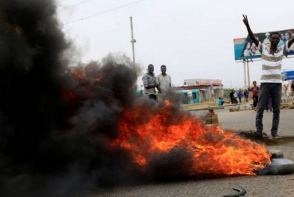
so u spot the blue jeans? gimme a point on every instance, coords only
(266, 91)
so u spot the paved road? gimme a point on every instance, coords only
(256, 186)
(245, 120)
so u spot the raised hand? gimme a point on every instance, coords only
(245, 20)
(250, 33)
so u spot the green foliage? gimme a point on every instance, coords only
(227, 93)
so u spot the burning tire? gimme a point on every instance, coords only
(276, 154)
(277, 167)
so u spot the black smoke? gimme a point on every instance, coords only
(51, 145)
(56, 122)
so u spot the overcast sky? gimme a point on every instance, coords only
(193, 38)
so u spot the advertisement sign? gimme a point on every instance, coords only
(289, 75)
(201, 82)
(245, 49)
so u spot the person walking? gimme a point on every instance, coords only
(149, 82)
(285, 85)
(235, 95)
(232, 97)
(255, 91)
(270, 79)
(240, 95)
(246, 95)
(163, 81)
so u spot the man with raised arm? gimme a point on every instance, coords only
(271, 81)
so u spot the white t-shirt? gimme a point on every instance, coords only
(271, 63)
(164, 82)
(285, 85)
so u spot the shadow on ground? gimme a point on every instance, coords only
(266, 139)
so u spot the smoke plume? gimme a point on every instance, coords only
(66, 131)
(55, 126)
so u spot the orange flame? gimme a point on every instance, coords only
(79, 74)
(145, 131)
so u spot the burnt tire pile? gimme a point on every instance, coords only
(278, 165)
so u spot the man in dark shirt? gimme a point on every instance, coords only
(246, 95)
(232, 97)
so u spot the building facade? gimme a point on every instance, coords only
(209, 90)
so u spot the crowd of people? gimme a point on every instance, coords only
(242, 96)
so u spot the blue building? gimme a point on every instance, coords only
(202, 90)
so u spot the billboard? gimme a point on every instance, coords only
(245, 49)
(289, 75)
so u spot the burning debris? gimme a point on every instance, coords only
(66, 131)
(278, 164)
(209, 149)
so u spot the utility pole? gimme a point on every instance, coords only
(247, 61)
(244, 64)
(133, 41)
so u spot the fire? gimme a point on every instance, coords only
(85, 82)
(79, 74)
(145, 131)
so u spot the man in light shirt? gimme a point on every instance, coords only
(271, 81)
(149, 82)
(285, 85)
(163, 81)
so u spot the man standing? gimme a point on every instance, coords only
(246, 95)
(240, 95)
(255, 91)
(285, 85)
(235, 95)
(163, 80)
(149, 82)
(272, 57)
